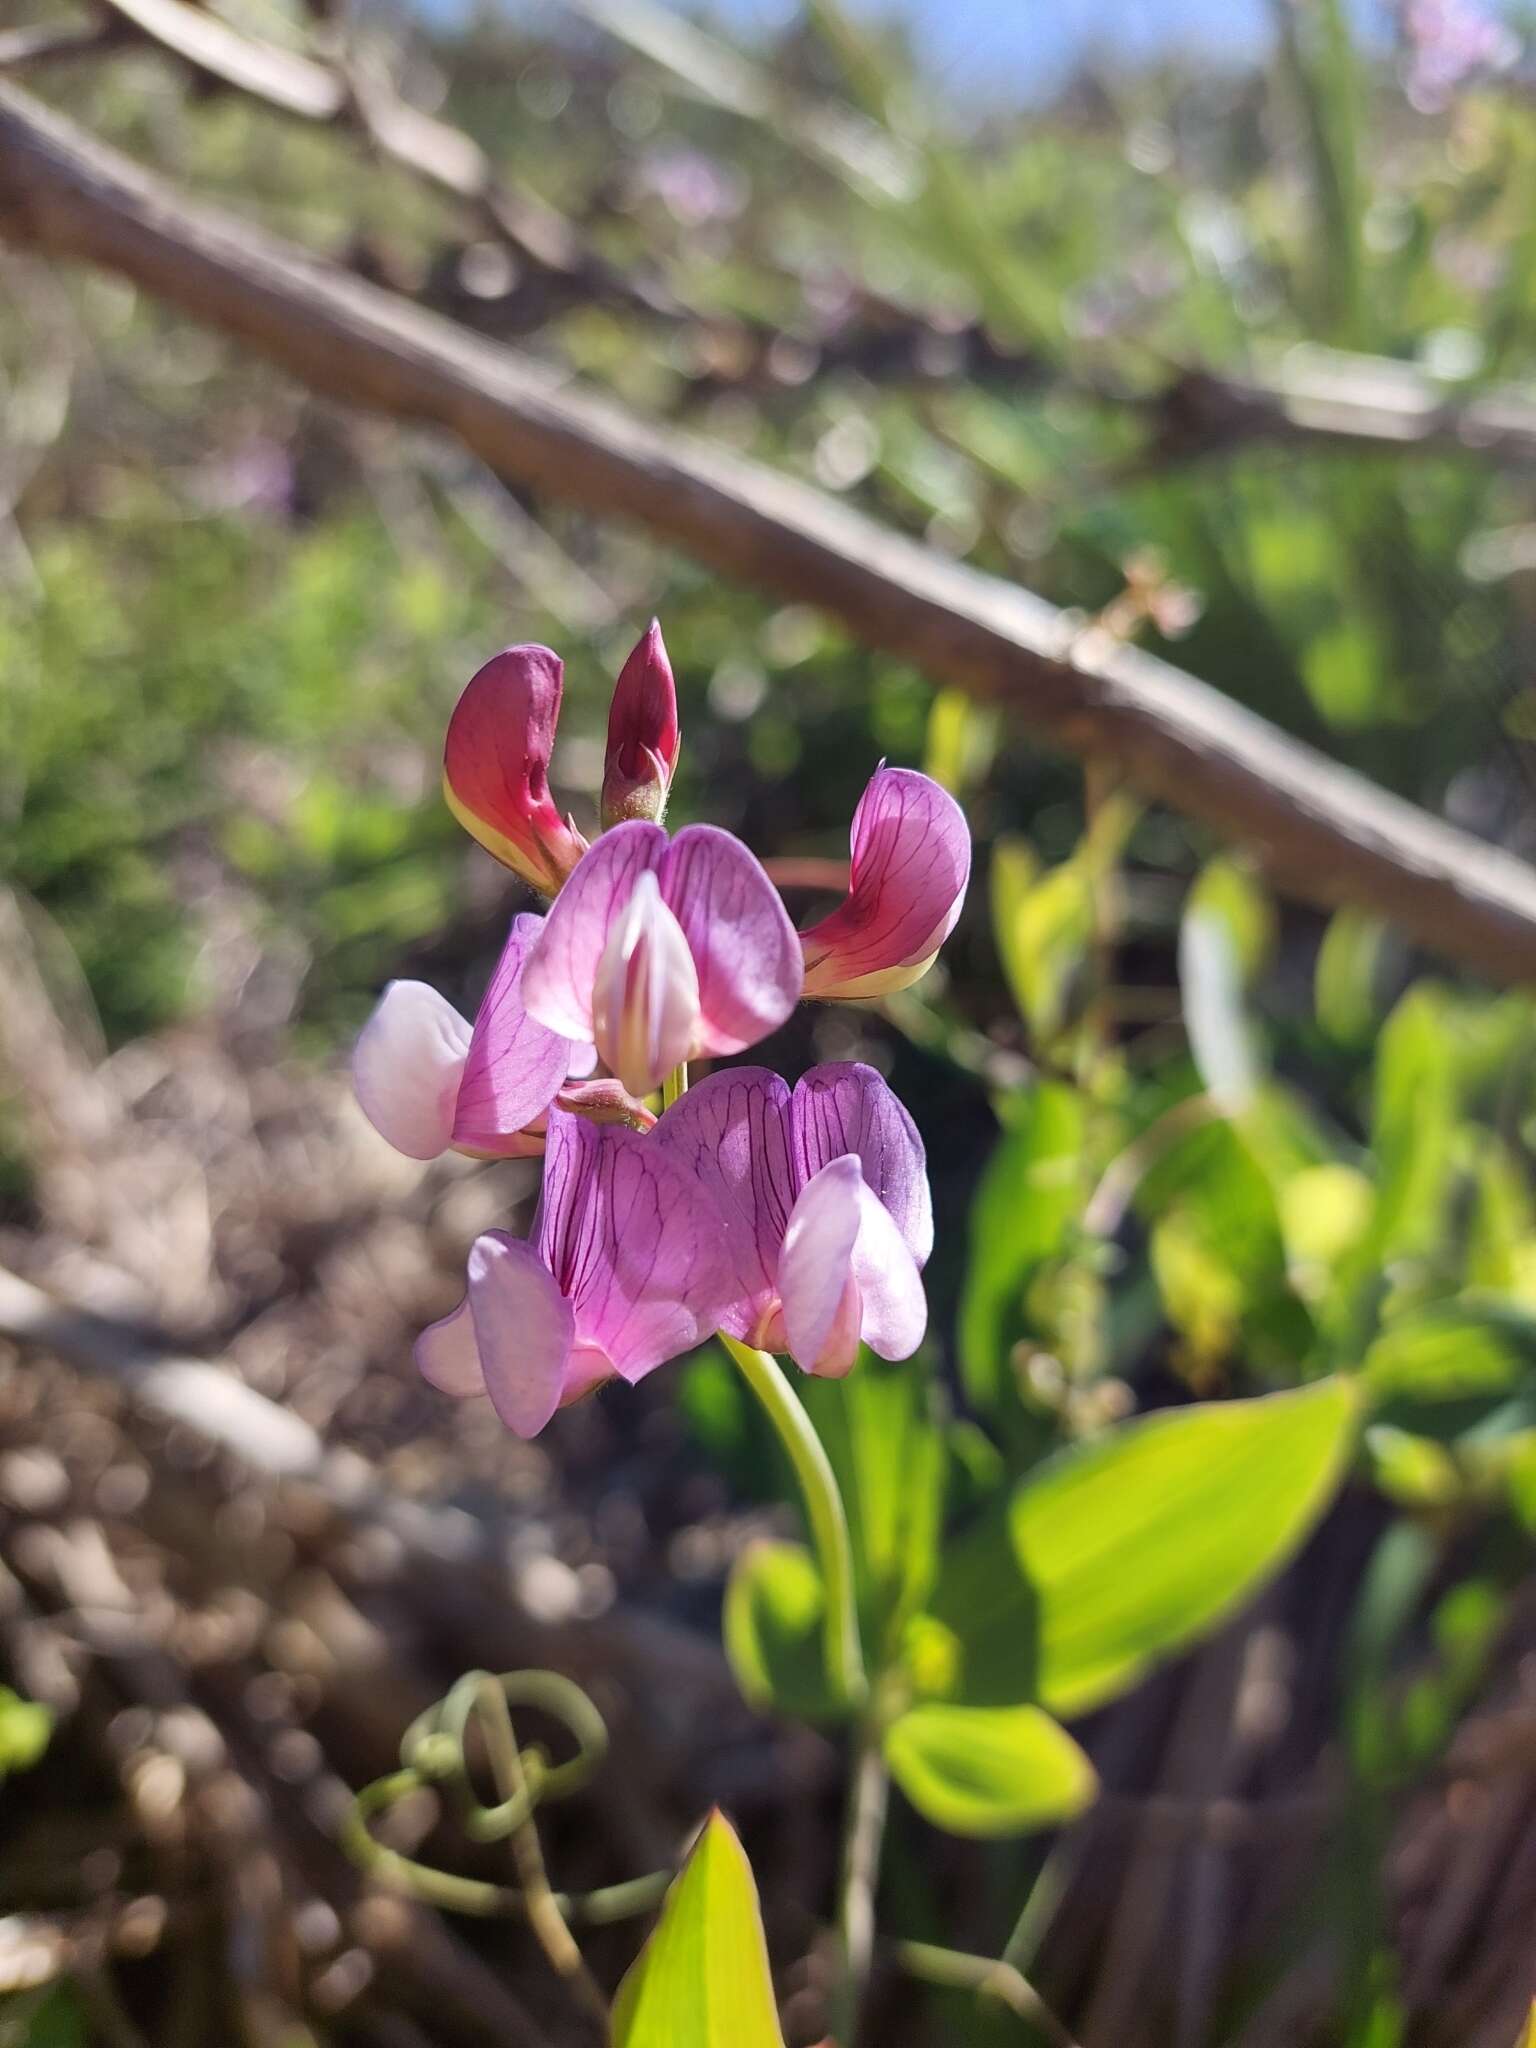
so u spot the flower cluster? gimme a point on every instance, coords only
(795, 1219)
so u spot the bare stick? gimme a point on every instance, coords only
(433, 150)
(1322, 832)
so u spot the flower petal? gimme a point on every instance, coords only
(894, 1306)
(496, 765)
(730, 1133)
(743, 944)
(645, 999)
(516, 1065)
(525, 1330)
(630, 1240)
(816, 1277)
(448, 1357)
(846, 1107)
(407, 1068)
(561, 970)
(911, 863)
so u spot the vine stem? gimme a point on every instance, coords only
(674, 1086)
(863, 1838)
(544, 1915)
(824, 1511)
(953, 1970)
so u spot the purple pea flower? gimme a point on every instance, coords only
(625, 1269)
(658, 951)
(911, 863)
(1451, 42)
(821, 1194)
(426, 1080)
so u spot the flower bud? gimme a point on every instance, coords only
(496, 766)
(643, 735)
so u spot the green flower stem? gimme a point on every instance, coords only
(954, 1971)
(824, 1511)
(674, 1086)
(863, 1839)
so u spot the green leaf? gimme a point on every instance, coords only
(1453, 1352)
(1211, 983)
(1413, 1470)
(988, 1770)
(1030, 1196)
(702, 1980)
(1138, 1544)
(978, 1641)
(1044, 927)
(1344, 979)
(1226, 891)
(774, 1602)
(1413, 1123)
(53, 2017)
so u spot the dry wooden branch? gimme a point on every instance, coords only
(430, 149)
(1323, 833)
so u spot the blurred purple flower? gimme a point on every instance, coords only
(821, 1196)
(1451, 42)
(693, 187)
(256, 475)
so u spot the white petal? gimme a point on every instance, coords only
(407, 1066)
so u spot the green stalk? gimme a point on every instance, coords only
(674, 1086)
(863, 1839)
(824, 1511)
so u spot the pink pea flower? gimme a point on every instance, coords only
(496, 766)
(911, 863)
(643, 735)
(426, 1080)
(659, 951)
(624, 1270)
(821, 1195)
(1450, 43)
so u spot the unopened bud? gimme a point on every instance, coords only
(496, 766)
(643, 735)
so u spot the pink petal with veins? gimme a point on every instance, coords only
(911, 863)
(630, 1241)
(561, 971)
(519, 1327)
(731, 1134)
(743, 944)
(516, 1066)
(845, 1106)
(407, 1067)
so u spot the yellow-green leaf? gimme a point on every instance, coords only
(702, 1980)
(988, 1770)
(1138, 1544)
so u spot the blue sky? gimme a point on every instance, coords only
(1027, 45)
